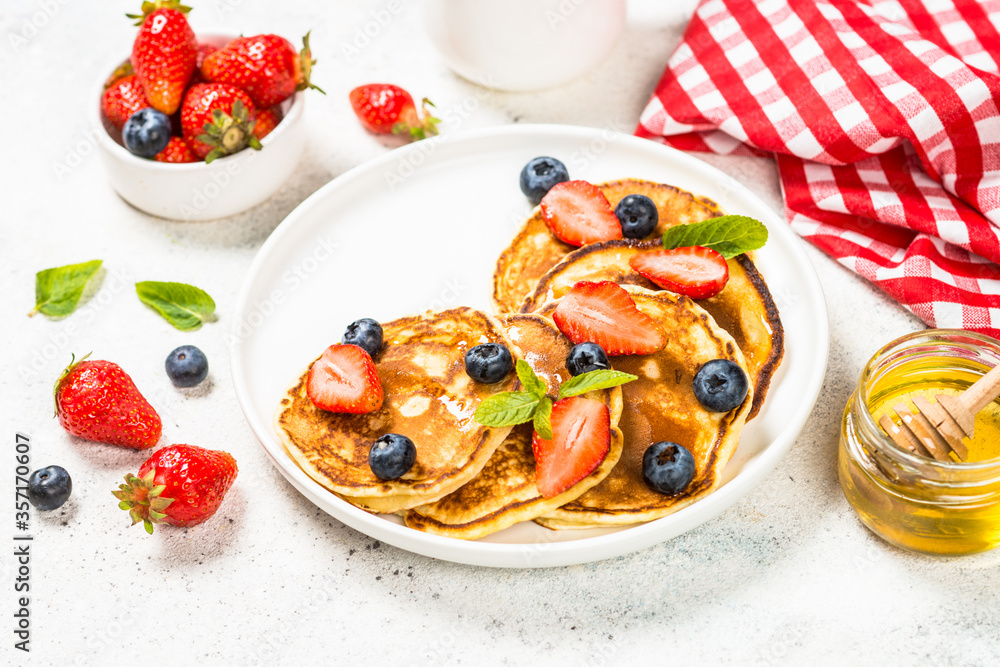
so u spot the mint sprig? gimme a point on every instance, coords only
(511, 408)
(729, 235)
(594, 380)
(184, 306)
(58, 290)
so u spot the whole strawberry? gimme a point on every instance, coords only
(385, 108)
(218, 119)
(177, 152)
(97, 400)
(122, 99)
(180, 485)
(266, 66)
(164, 53)
(267, 120)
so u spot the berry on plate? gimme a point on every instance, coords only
(586, 357)
(122, 99)
(539, 175)
(97, 400)
(267, 67)
(177, 151)
(385, 108)
(186, 366)
(638, 216)
(695, 271)
(164, 53)
(578, 213)
(344, 379)
(146, 132)
(668, 467)
(180, 485)
(488, 363)
(366, 333)
(217, 120)
(581, 438)
(267, 120)
(605, 314)
(720, 385)
(392, 456)
(49, 488)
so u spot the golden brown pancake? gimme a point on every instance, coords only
(428, 398)
(661, 405)
(744, 307)
(504, 492)
(535, 250)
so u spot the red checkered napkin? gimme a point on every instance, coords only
(883, 118)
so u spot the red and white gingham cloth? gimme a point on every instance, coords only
(883, 118)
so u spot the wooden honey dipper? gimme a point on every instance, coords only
(938, 428)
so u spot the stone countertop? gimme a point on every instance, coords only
(785, 576)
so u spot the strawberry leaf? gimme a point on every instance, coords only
(729, 235)
(58, 290)
(507, 409)
(543, 418)
(184, 306)
(532, 384)
(592, 381)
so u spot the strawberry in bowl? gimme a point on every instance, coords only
(182, 101)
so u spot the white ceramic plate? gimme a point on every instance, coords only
(421, 228)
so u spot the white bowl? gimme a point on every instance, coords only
(199, 191)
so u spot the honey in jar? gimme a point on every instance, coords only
(912, 501)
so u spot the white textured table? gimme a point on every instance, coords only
(786, 575)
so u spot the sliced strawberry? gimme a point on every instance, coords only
(605, 314)
(581, 438)
(695, 271)
(578, 213)
(344, 379)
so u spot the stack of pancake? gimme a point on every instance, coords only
(471, 480)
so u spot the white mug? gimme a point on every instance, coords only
(521, 45)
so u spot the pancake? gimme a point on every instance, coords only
(744, 307)
(504, 492)
(428, 398)
(661, 405)
(535, 250)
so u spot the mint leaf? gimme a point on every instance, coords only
(529, 381)
(729, 235)
(592, 381)
(543, 418)
(58, 290)
(507, 409)
(184, 306)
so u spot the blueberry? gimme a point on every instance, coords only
(720, 385)
(366, 333)
(586, 357)
(49, 488)
(488, 363)
(146, 132)
(392, 456)
(668, 467)
(186, 366)
(539, 175)
(638, 216)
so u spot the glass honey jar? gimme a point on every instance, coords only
(913, 501)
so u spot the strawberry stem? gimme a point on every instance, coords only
(73, 363)
(140, 497)
(150, 6)
(306, 62)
